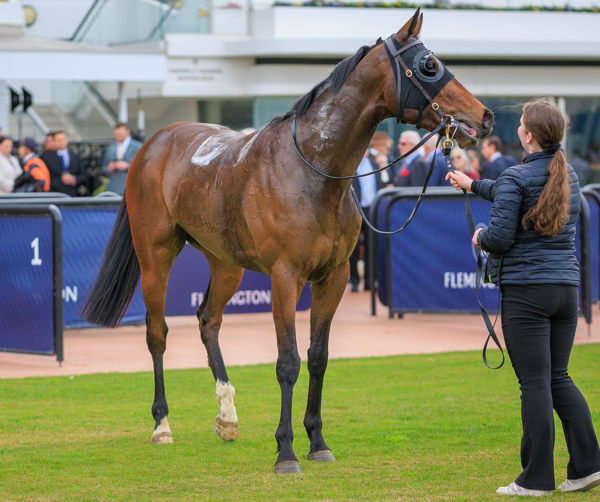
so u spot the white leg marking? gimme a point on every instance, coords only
(162, 433)
(225, 393)
(163, 426)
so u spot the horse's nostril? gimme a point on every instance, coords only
(488, 118)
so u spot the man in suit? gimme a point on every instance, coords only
(118, 158)
(67, 172)
(413, 170)
(365, 188)
(495, 160)
(438, 176)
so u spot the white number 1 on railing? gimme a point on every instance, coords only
(35, 245)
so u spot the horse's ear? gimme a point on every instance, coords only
(412, 28)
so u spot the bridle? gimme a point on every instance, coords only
(435, 79)
(426, 84)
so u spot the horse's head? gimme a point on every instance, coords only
(424, 92)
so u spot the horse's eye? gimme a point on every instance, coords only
(429, 66)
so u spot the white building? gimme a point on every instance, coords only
(241, 62)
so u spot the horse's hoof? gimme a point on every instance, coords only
(227, 431)
(287, 467)
(162, 438)
(321, 456)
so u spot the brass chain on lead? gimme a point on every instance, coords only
(448, 144)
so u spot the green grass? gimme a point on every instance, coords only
(428, 427)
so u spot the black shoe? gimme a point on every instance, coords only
(354, 288)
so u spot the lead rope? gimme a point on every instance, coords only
(414, 211)
(447, 145)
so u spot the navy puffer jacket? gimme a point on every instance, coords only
(528, 258)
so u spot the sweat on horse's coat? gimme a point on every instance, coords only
(250, 202)
(209, 150)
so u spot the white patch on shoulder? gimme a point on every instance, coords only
(225, 393)
(320, 123)
(324, 143)
(246, 148)
(210, 149)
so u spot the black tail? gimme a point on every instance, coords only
(115, 285)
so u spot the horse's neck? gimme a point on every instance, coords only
(341, 129)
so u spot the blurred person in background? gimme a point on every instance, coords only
(118, 157)
(474, 160)
(413, 170)
(460, 161)
(495, 161)
(581, 167)
(10, 169)
(48, 143)
(381, 143)
(67, 173)
(35, 177)
(366, 188)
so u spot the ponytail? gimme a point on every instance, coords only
(551, 212)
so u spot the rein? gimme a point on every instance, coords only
(355, 176)
(419, 200)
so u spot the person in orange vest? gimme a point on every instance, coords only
(35, 177)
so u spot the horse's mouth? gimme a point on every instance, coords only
(465, 134)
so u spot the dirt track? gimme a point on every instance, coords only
(250, 339)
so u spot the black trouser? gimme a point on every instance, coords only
(539, 323)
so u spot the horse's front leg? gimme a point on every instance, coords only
(326, 296)
(285, 294)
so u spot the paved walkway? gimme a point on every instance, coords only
(250, 339)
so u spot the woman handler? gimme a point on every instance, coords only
(531, 244)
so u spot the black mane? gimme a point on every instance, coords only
(335, 79)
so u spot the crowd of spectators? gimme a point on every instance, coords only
(73, 168)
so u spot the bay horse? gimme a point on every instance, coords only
(250, 202)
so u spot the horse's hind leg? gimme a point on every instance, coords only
(157, 248)
(326, 296)
(225, 279)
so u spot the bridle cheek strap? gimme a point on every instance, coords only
(394, 55)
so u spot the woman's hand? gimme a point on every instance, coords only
(459, 180)
(475, 234)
